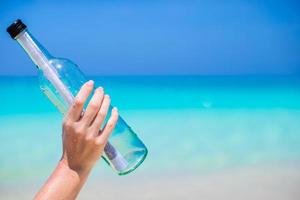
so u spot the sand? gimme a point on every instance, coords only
(272, 182)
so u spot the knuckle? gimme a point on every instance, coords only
(100, 142)
(94, 106)
(78, 102)
(88, 138)
(110, 125)
(80, 130)
(102, 114)
(67, 124)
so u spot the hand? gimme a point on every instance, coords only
(83, 144)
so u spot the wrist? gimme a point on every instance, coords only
(64, 183)
(79, 171)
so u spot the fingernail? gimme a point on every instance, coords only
(90, 83)
(100, 88)
(115, 108)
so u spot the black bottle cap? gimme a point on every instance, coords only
(15, 28)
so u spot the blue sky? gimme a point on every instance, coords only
(159, 37)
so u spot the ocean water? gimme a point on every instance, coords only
(190, 124)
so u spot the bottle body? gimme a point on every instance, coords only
(125, 151)
(60, 80)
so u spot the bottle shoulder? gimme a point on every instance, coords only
(62, 62)
(65, 67)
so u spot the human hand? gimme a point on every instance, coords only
(83, 144)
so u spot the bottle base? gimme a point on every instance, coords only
(136, 164)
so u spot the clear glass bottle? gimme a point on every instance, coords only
(61, 79)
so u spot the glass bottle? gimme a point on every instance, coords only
(60, 80)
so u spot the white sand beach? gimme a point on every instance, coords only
(270, 182)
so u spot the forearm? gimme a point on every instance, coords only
(64, 183)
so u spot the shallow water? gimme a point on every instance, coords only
(190, 124)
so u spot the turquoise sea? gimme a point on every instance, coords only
(190, 124)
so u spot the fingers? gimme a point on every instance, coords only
(80, 99)
(101, 115)
(90, 123)
(93, 107)
(110, 125)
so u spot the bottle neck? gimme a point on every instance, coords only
(38, 54)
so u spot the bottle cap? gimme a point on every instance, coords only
(15, 28)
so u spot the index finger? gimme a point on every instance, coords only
(75, 110)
